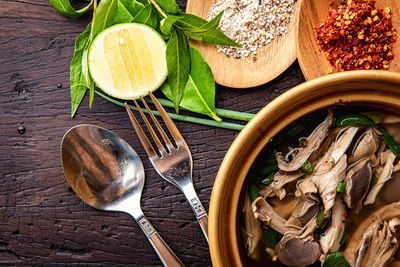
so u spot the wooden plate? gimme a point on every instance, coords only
(312, 60)
(272, 59)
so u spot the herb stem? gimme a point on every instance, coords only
(225, 125)
(225, 113)
(159, 9)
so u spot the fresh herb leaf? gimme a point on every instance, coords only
(336, 260)
(169, 6)
(104, 16)
(269, 237)
(147, 15)
(358, 119)
(253, 192)
(269, 179)
(190, 23)
(127, 11)
(199, 94)
(79, 74)
(178, 65)
(210, 26)
(64, 8)
(166, 24)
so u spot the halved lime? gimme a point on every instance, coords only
(128, 60)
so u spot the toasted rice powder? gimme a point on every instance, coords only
(252, 23)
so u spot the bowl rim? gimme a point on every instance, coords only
(224, 174)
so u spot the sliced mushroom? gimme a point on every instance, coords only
(358, 179)
(266, 213)
(378, 246)
(360, 244)
(297, 249)
(253, 230)
(366, 145)
(280, 180)
(327, 182)
(383, 177)
(313, 143)
(391, 124)
(391, 190)
(303, 212)
(330, 240)
(306, 189)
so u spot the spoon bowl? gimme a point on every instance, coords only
(312, 59)
(107, 174)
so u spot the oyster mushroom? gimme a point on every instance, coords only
(303, 212)
(306, 190)
(366, 145)
(313, 143)
(374, 242)
(327, 182)
(330, 240)
(358, 180)
(391, 189)
(279, 181)
(299, 248)
(253, 230)
(384, 176)
(265, 212)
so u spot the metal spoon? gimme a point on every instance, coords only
(107, 174)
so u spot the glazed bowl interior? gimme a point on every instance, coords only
(376, 89)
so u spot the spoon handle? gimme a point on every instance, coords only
(167, 256)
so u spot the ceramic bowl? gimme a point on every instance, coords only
(371, 88)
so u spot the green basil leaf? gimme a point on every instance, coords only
(104, 16)
(336, 260)
(127, 11)
(168, 6)
(147, 15)
(178, 65)
(166, 24)
(199, 94)
(79, 74)
(190, 23)
(210, 26)
(64, 8)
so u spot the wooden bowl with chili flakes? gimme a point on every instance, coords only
(359, 34)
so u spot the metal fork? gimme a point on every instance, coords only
(174, 164)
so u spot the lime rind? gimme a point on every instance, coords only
(136, 92)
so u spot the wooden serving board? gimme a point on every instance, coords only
(312, 60)
(272, 59)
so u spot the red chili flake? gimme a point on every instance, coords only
(345, 214)
(357, 36)
(340, 100)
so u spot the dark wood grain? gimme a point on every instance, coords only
(42, 222)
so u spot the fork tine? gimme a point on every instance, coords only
(152, 132)
(160, 129)
(168, 121)
(142, 136)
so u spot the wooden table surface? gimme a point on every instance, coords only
(42, 222)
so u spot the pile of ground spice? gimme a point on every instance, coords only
(252, 23)
(357, 36)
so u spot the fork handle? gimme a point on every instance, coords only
(166, 255)
(197, 207)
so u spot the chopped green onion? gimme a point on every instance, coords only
(253, 192)
(322, 219)
(307, 167)
(336, 260)
(341, 187)
(341, 242)
(269, 179)
(269, 237)
(303, 141)
(271, 167)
